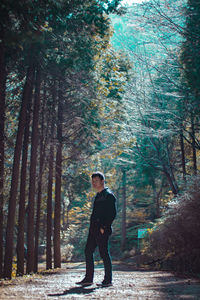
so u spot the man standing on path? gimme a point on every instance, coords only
(103, 214)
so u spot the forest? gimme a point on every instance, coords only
(96, 85)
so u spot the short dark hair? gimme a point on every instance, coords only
(98, 174)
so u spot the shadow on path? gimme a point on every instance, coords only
(178, 288)
(75, 290)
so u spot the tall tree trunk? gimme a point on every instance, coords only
(50, 185)
(42, 155)
(57, 212)
(31, 200)
(63, 217)
(182, 155)
(37, 225)
(123, 240)
(22, 198)
(194, 154)
(170, 172)
(157, 197)
(2, 121)
(49, 209)
(171, 182)
(15, 175)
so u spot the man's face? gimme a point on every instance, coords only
(97, 183)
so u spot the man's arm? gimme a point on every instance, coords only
(109, 212)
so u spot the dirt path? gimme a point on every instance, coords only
(127, 284)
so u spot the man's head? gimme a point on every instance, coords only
(98, 180)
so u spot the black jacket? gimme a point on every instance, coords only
(104, 210)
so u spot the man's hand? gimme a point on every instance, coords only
(102, 230)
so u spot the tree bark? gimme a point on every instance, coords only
(32, 180)
(194, 154)
(2, 125)
(50, 186)
(57, 212)
(15, 175)
(157, 197)
(22, 198)
(182, 155)
(171, 182)
(37, 226)
(49, 209)
(123, 240)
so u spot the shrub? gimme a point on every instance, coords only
(174, 243)
(67, 253)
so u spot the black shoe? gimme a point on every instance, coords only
(105, 283)
(85, 282)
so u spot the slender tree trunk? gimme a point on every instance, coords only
(171, 182)
(34, 145)
(182, 155)
(157, 205)
(67, 217)
(15, 175)
(174, 181)
(37, 226)
(194, 154)
(123, 240)
(2, 121)
(49, 209)
(57, 213)
(170, 172)
(157, 197)
(156, 213)
(42, 155)
(63, 216)
(22, 198)
(50, 185)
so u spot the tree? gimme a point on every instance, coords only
(22, 197)
(32, 177)
(49, 202)
(43, 142)
(15, 174)
(48, 38)
(191, 65)
(2, 137)
(58, 172)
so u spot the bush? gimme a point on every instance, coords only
(174, 244)
(67, 253)
(74, 242)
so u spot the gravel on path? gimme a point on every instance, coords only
(127, 284)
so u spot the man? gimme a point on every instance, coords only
(103, 214)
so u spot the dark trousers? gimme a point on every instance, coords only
(100, 240)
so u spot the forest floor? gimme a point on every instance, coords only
(128, 283)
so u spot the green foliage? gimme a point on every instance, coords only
(191, 47)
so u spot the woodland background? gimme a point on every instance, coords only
(91, 85)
